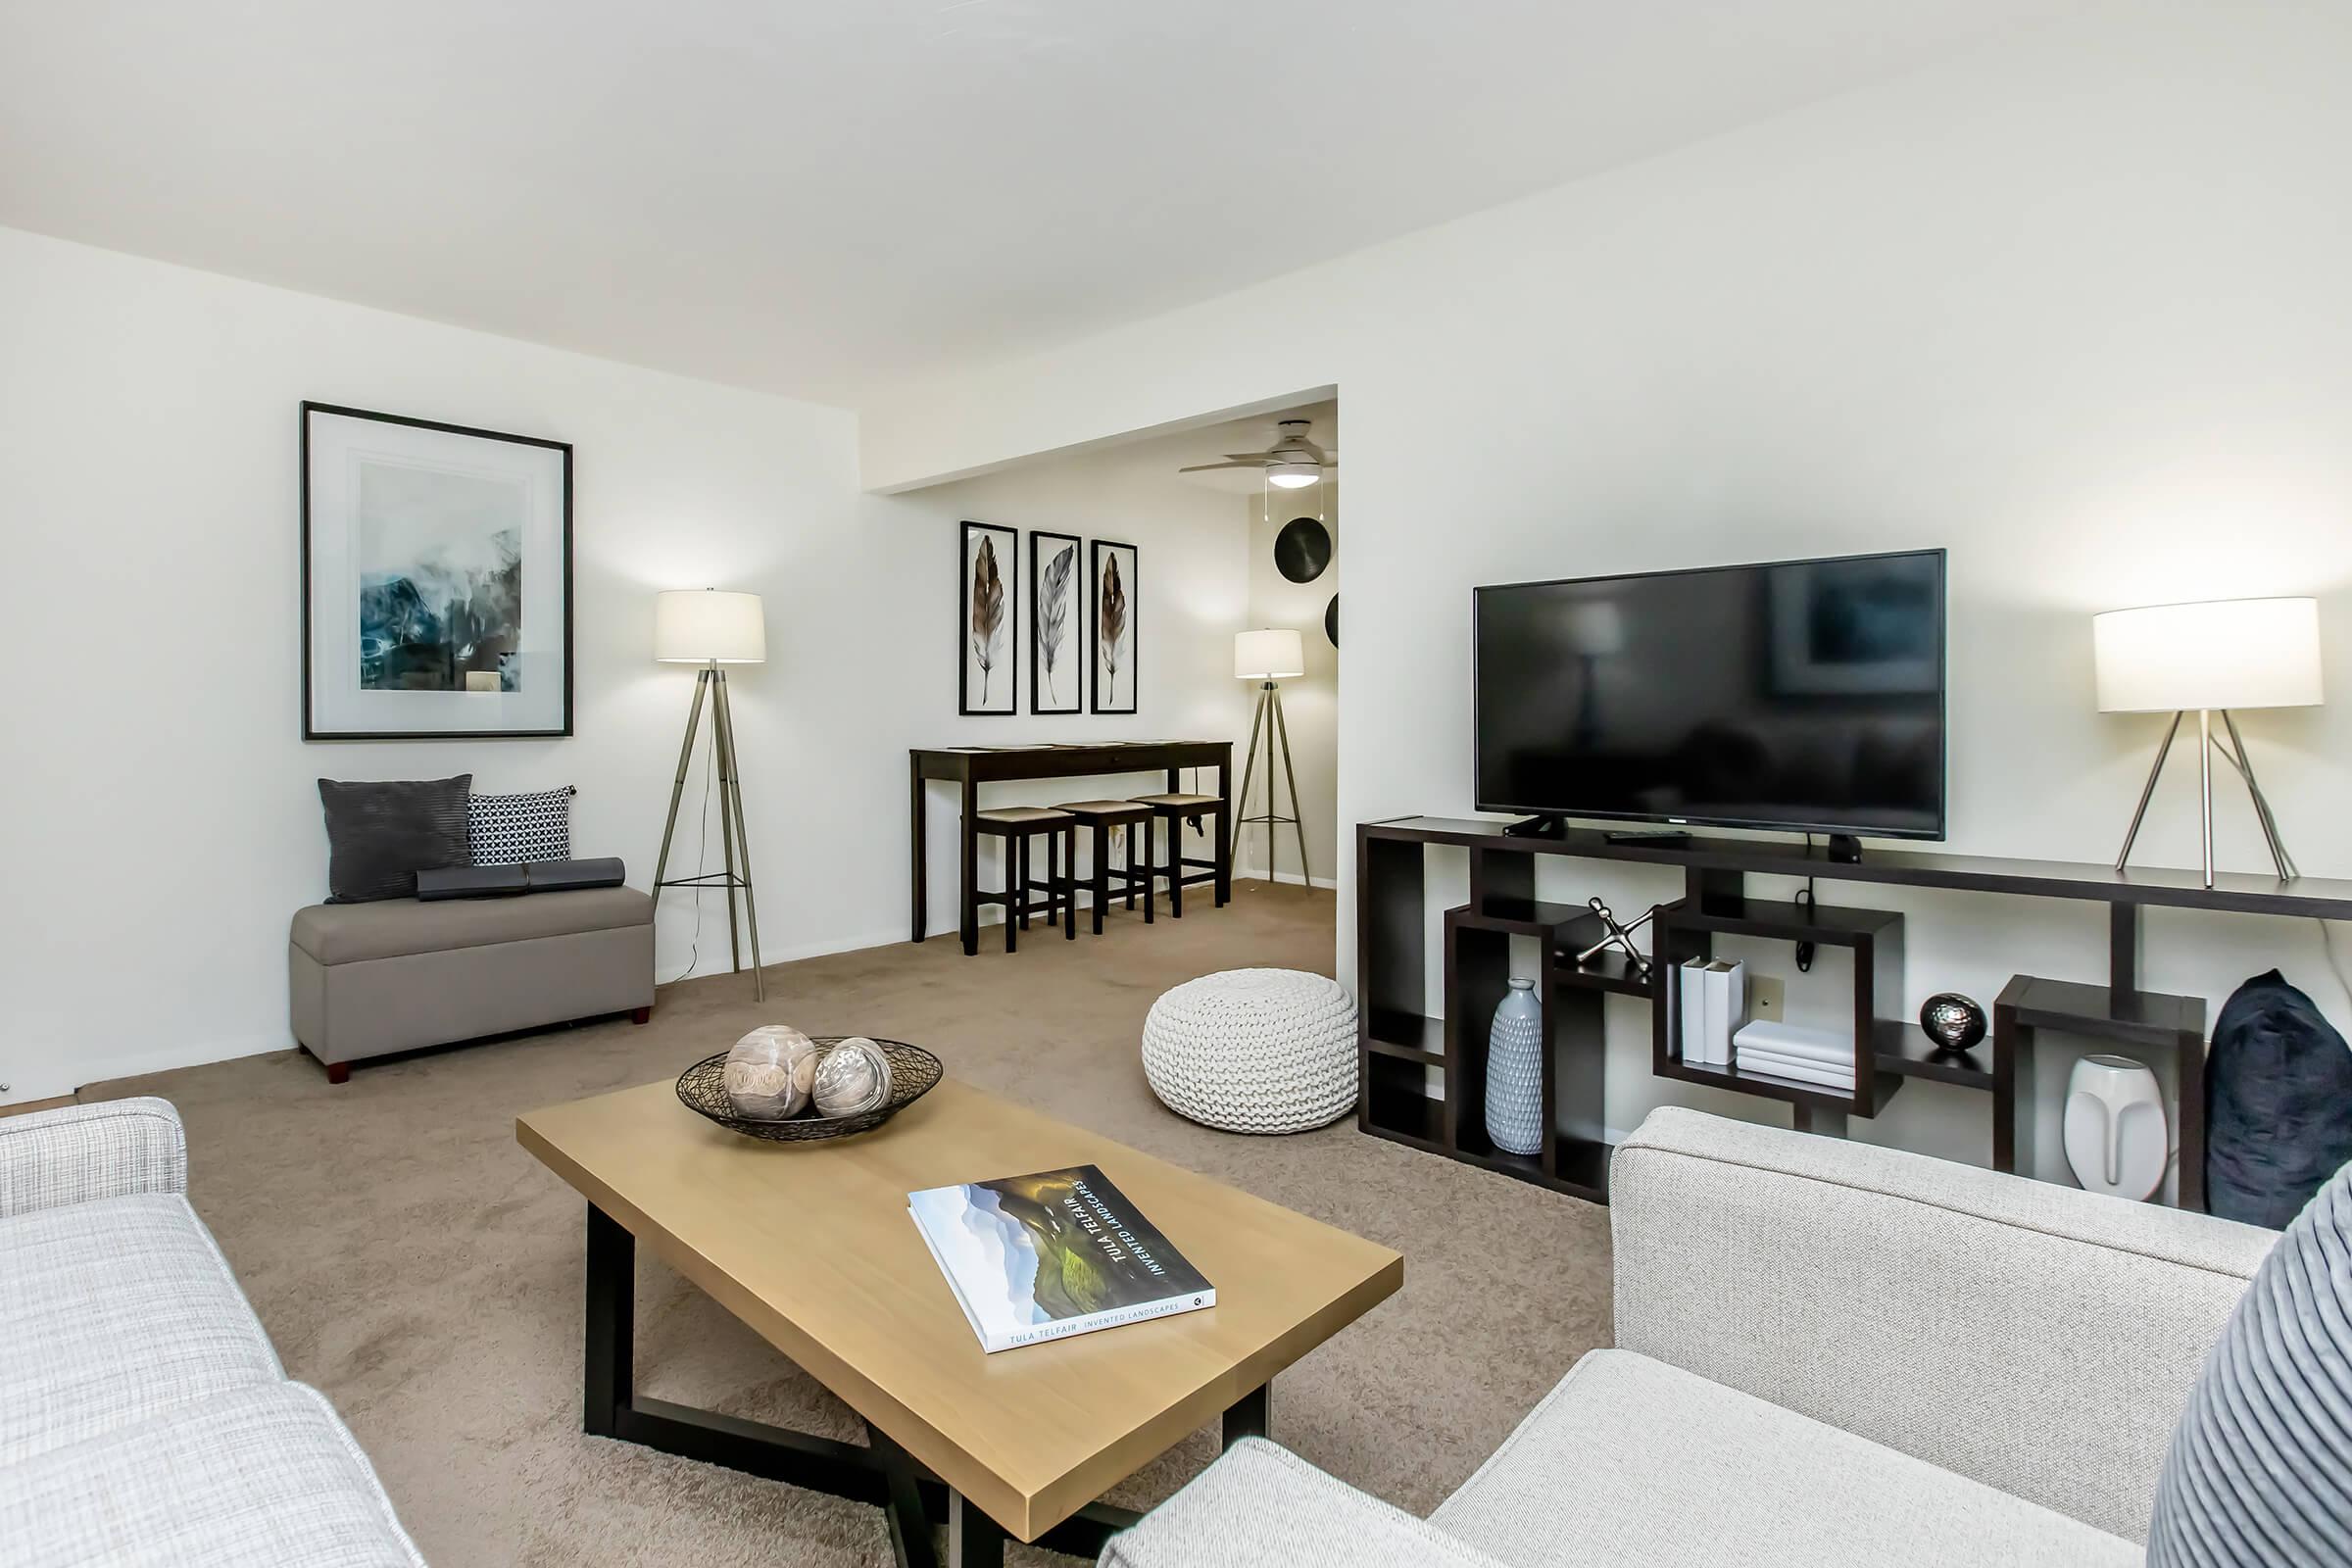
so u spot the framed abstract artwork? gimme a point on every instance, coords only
(1111, 590)
(436, 580)
(1057, 622)
(988, 620)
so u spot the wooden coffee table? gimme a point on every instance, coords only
(811, 1245)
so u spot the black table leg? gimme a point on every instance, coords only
(1249, 1416)
(607, 1381)
(967, 829)
(909, 1520)
(1100, 874)
(975, 1540)
(917, 828)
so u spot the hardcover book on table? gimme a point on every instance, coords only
(1053, 1255)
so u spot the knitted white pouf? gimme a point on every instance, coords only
(1254, 1051)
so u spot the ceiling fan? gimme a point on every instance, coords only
(1292, 463)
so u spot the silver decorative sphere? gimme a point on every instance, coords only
(1953, 1021)
(768, 1074)
(853, 1078)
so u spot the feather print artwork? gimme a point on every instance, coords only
(1053, 612)
(988, 612)
(1113, 620)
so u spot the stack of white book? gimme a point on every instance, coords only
(1822, 1058)
(1713, 1006)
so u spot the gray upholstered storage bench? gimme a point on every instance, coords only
(370, 979)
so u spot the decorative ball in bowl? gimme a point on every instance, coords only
(770, 1073)
(1953, 1021)
(782, 1084)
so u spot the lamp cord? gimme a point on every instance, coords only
(701, 861)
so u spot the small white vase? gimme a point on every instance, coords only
(1515, 1072)
(2115, 1138)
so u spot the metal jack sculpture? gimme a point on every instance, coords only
(1620, 936)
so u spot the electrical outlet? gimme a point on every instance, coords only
(1767, 996)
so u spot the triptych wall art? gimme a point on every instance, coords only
(436, 566)
(1081, 629)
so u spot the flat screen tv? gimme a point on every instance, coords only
(1799, 695)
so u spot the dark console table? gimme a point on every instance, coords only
(970, 767)
(1399, 1044)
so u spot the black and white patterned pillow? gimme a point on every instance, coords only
(510, 829)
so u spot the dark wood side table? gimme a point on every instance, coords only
(970, 767)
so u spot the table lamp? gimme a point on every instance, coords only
(1271, 655)
(2209, 657)
(713, 629)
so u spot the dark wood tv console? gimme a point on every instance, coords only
(1401, 1043)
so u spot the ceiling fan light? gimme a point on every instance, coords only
(1293, 475)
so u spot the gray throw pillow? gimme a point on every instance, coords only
(2261, 1464)
(380, 836)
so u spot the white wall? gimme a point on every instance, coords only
(1310, 705)
(2072, 307)
(163, 819)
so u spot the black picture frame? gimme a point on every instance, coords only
(1066, 696)
(1129, 632)
(312, 730)
(1004, 547)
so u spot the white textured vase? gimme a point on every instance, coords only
(2115, 1138)
(1515, 1072)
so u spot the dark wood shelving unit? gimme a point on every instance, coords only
(2145, 1020)
(1402, 1048)
(1717, 906)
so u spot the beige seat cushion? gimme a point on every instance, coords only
(1024, 815)
(1128, 808)
(1187, 800)
(1639, 1464)
(351, 933)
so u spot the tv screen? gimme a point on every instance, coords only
(1803, 695)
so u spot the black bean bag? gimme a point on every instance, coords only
(2278, 1103)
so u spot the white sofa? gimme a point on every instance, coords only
(1827, 1353)
(144, 1418)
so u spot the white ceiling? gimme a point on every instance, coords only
(819, 197)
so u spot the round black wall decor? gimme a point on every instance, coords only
(1303, 550)
(1331, 620)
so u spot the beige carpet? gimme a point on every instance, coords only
(413, 1262)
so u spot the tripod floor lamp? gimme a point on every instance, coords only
(713, 629)
(2208, 658)
(1270, 656)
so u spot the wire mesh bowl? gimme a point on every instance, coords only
(914, 1073)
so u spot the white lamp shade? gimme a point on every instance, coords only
(2224, 653)
(1272, 655)
(695, 626)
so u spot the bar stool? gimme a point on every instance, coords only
(1176, 810)
(1017, 825)
(1105, 878)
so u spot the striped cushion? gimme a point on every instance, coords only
(2261, 1465)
